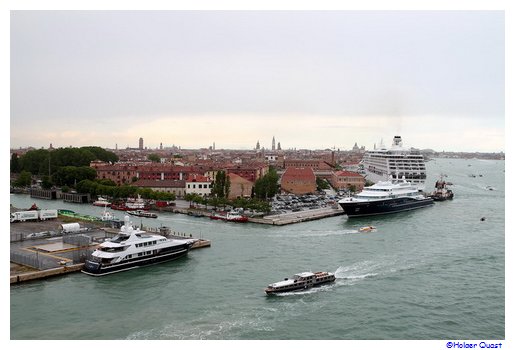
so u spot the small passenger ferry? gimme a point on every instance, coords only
(300, 281)
(132, 248)
(142, 213)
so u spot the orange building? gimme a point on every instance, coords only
(240, 187)
(345, 179)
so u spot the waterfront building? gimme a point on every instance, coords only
(198, 184)
(298, 181)
(178, 187)
(240, 187)
(346, 179)
(249, 171)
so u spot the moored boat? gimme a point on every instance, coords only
(229, 216)
(102, 202)
(132, 248)
(385, 198)
(300, 281)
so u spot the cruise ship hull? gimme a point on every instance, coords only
(98, 269)
(357, 208)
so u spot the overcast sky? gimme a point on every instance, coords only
(311, 79)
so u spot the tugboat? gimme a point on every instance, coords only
(300, 281)
(132, 248)
(441, 192)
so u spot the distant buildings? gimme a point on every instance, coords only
(141, 143)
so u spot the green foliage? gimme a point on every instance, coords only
(38, 161)
(70, 175)
(46, 182)
(266, 187)
(65, 189)
(15, 163)
(24, 180)
(322, 184)
(154, 158)
(106, 182)
(32, 160)
(97, 188)
(221, 186)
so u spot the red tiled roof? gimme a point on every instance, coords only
(347, 173)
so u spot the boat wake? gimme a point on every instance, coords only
(324, 233)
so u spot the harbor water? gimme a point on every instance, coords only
(431, 273)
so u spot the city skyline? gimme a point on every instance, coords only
(314, 80)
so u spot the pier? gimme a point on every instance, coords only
(44, 257)
(44, 194)
(299, 216)
(278, 219)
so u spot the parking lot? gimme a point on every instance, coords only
(284, 204)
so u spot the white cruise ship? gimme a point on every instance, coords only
(394, 164)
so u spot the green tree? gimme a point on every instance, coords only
(221, 186)
(46, 182)
(32, 160)
(154, 158)
(322, 184)
(266, 186)
(15, 163)
(24, 179)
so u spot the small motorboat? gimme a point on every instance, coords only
(367, 228)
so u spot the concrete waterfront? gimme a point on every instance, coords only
(277, 219)
(299, 216)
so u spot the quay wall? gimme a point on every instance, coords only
(29, 276)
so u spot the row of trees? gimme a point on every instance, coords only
(40, 161)
(100, 188)
(61, 167)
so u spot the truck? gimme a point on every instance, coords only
(24, 216)
(32, 215)
(45, 214)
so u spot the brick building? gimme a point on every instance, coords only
(346, 179)
(251, 172)
(240, 187)
(299, 181)
(171, 186)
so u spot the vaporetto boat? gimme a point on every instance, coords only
(132, 248)
(300, 281)
(385, 197)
